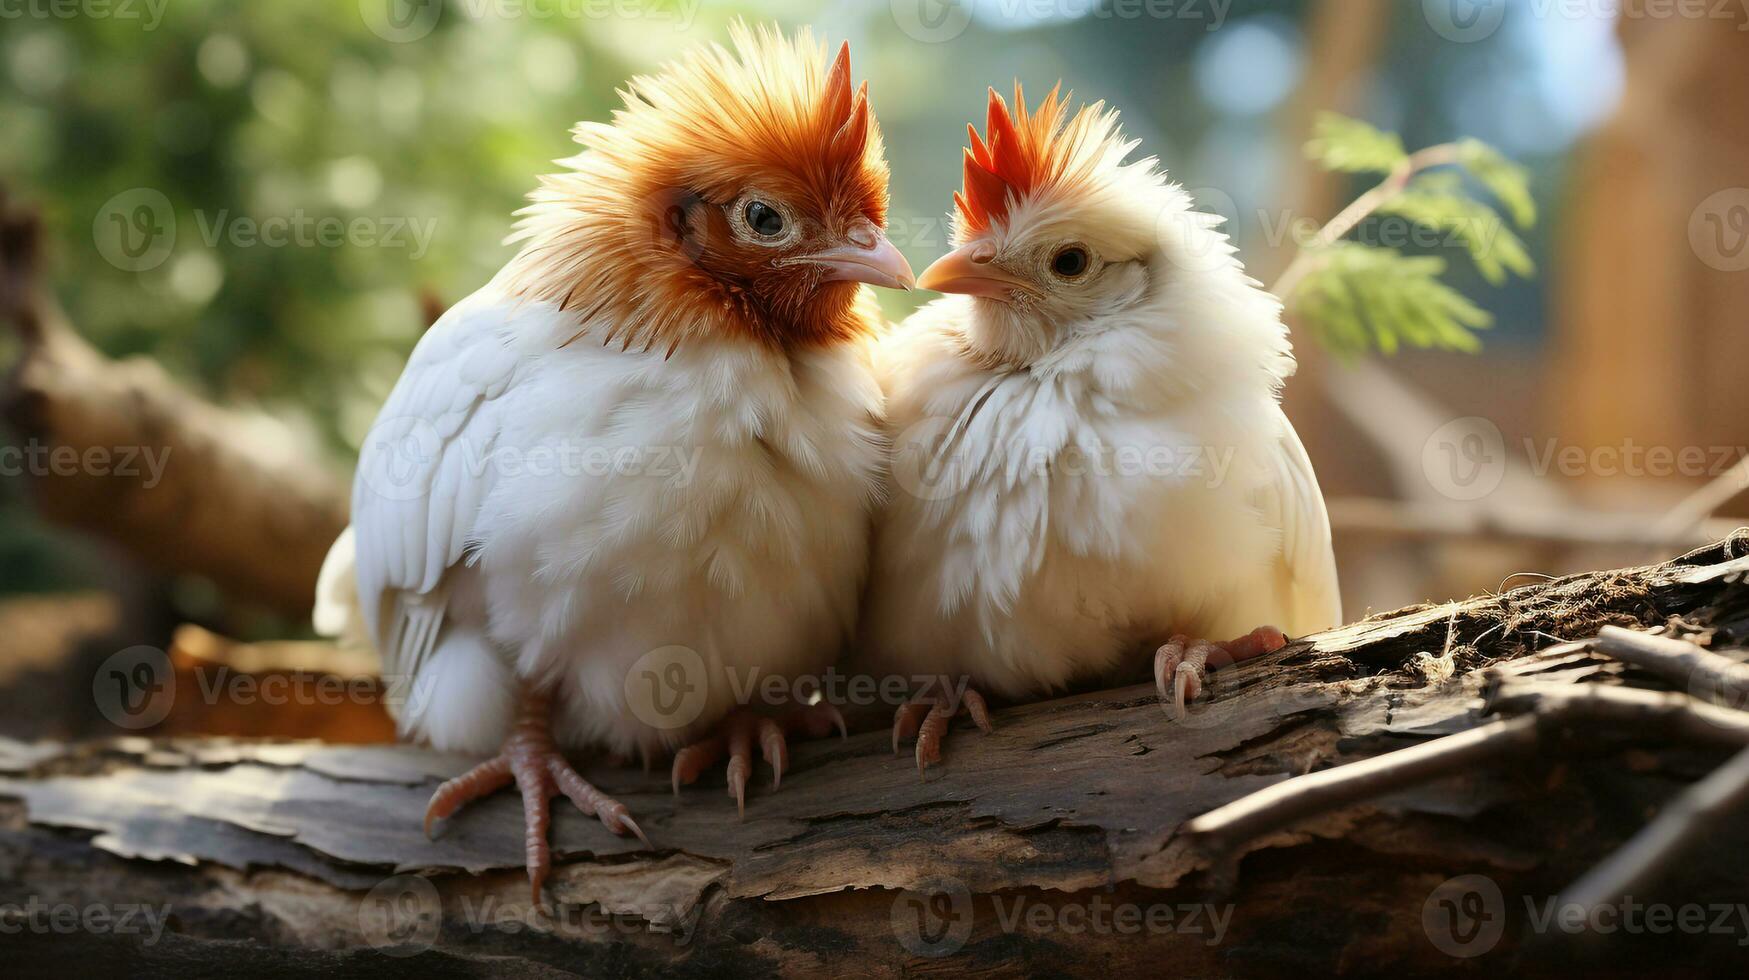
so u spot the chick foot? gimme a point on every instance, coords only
(1185, 662)
(532, 760)
(928, 716)
(735, 737)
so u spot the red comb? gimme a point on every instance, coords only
(1013, 156)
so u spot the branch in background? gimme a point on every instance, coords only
(1359, 210)
(1357, 296)
(1565, 526)
(119, 449)
(1705, 502)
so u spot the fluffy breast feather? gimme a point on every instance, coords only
(1049, 521)
(717, 499)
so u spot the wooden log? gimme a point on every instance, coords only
(1053, 845)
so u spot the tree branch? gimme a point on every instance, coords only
(119, 449)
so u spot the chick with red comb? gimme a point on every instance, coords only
(1092, 471)
(639, 466)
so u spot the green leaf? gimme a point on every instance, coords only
(1357, 298)
(1438, 203)
(1504, 178)
(1351, 146)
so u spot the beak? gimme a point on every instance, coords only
(971, 269)
(866, 257)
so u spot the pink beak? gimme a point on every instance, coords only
(867, 257)
(971, 269)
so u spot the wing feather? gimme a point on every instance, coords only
(1293, 503)
(422, 474)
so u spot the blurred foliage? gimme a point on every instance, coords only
(1365, 295)
(241, 110)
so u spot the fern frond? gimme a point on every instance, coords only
(1351, 146)
(1495, 249)
(1357, 298)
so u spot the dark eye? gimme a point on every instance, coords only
(764, 219)
(1070, 262)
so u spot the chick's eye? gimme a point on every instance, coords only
(1070, 262)
(764, 219)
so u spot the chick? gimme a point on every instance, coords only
(635, 472)
(1091, 461)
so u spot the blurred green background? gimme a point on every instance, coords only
(435, 117)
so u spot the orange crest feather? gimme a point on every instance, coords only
(1019, 152)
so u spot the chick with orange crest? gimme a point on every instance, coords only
(641, 463)
(1091, 463)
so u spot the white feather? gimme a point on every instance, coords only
(530, 509)
(1076, 483)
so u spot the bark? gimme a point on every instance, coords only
(1055, 845)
